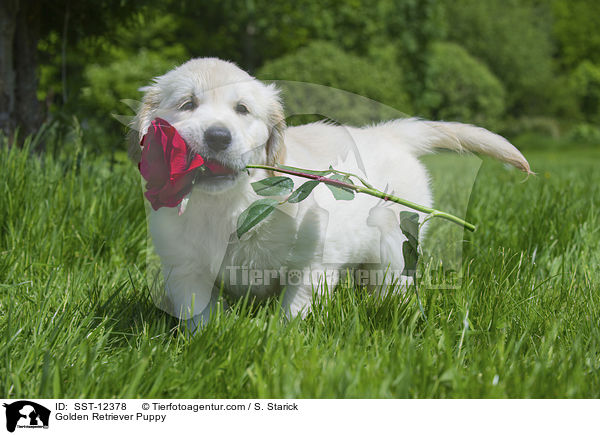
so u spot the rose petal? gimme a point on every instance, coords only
(167, 164)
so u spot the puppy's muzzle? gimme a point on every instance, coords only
(218, 138)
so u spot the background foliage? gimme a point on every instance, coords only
(458, 86)
(522, 67)
(323, 63)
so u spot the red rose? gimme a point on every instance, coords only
(167, 164)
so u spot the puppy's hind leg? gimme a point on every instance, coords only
(388, 280)
(387, 275)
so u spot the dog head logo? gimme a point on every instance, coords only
(26, 414)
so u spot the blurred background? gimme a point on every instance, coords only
(529, 69)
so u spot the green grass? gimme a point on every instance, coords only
(77, 321)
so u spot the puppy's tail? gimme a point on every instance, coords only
(429, 135)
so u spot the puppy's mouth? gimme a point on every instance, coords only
(217, 169)
(214, 172)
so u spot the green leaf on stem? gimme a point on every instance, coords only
(409, 225)
(306, 171)
(341, 193)
(273, 186)
(342, 177)
(303, 191)
(257, 211)
(411, 258)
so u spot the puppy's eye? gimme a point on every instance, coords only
(241, 109)
(188, 105)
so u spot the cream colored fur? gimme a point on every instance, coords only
(200, 249)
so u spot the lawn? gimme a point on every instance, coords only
(76, 319)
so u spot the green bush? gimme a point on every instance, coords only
(544, 126)
(585, 82)
(110, 83)
(584, 134)
(459, 87)
(129, 58)
(322, 63)
(513, 39)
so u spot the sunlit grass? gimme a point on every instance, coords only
(76, 319)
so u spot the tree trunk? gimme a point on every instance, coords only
(19, 35)
(8, 20)
(28, 113)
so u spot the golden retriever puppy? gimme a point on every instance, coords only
(232, 120)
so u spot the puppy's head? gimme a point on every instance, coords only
(225, 115)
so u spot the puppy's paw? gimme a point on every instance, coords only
(196, 324)
(296, 301)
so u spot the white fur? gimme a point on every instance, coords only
(199, 248)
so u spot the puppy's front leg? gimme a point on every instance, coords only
(189, 290)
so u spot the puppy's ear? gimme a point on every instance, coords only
(275, 146)
(142, 120)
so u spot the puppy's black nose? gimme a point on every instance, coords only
(217, 138)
